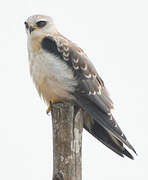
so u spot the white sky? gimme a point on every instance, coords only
(114, 34)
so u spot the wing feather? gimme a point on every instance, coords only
(90, 93)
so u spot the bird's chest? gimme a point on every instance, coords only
(53, 78)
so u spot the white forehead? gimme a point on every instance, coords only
(35, 18)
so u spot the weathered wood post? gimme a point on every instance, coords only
(67, 142)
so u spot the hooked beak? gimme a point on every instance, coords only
(31, 29)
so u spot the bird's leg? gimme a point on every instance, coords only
(53, 101)
(48, 109)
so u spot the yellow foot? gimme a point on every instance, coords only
(53, 101)
(48, 110)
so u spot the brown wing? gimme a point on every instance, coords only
(90, 93)
(90, 82)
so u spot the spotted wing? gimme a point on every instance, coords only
(90, 93)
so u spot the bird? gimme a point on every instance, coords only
(62, 71)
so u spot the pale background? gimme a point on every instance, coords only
(114, 34)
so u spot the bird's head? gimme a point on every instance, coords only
(37, 25)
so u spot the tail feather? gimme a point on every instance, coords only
(103, 136)
(103, 120)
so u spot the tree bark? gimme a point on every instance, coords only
(67, 141)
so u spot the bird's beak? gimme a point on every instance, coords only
(31, 29)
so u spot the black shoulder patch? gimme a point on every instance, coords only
(49, 45)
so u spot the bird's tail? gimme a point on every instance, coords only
(105, 137)
(104, 129)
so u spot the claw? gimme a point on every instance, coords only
(49, 109)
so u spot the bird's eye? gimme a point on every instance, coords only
(26, 24)
(41, 23)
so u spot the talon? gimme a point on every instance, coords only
(48, 110)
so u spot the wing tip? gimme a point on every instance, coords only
(126, 153)
(135, 152)
(131, 147)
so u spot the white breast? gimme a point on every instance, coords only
(52, 76)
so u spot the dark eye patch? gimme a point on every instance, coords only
(41, 23)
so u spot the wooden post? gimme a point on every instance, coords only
(67, 142)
